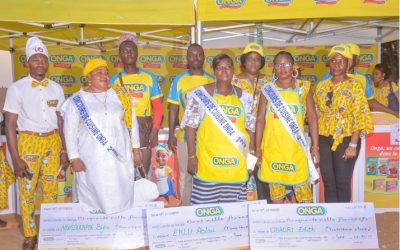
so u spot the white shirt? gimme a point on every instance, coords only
(35, 106)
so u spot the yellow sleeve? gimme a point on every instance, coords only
(362, 119)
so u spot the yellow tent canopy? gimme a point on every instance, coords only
(95, 24)
(242, 10)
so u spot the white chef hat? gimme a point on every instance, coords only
(35, 46)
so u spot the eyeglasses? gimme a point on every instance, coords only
(283, 65)
(329, 96)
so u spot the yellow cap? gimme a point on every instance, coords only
(341, 49)
(354, 49)
(94, 64)
(253, 47)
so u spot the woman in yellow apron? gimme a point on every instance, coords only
(283, 161)
(343, 116)
(218, 161)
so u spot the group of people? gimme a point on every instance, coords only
(108, 129)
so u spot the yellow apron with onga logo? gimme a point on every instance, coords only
(283, 159)
(218, 159)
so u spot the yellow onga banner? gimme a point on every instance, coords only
(311, 59)
(230, 10)
(65, 63)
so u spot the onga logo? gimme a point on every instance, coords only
(85, 58)
(83, 80)
(311, 78)
(375, 1)
(67, 189)
(209, 59)
(115, 60)
(237, 59)
(62, 60)
(306, 60)
(151, 61)
(177, 61)
(136, 89)
(311, 210)
(365, 60)
(325, 1)
(22, 59)
(64, 80)
(231, 110)
(269, 60)
(324, 58)
(160, 79)
(209, 211)
(225, 161)
(278, 2)
(283, 167)
(230, 4)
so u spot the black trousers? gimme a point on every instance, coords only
(336, 172)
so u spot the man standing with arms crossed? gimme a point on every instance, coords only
(189, 79)
(32, 106)
(144, 87)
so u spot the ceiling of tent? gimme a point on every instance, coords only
(315, 31)
(95, 24)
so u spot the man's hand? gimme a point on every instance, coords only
(172, 143)
(77, 165)
(153, 137)
(20, 167)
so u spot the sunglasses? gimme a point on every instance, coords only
(329, 96)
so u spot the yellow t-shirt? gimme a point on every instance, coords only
(342, 112)
(182, 84)
(143, 86)
(381, 94)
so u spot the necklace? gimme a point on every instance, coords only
(102, 102)
(226, 94)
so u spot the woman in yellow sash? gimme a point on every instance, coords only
(216, 161)
(283, 162)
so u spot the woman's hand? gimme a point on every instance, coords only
(77, 165)
(259, 158)
(349, 153)
(192, 165)
(315, 154)
(137, 159)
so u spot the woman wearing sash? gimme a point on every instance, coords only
(283, 161)
(343, 117)
(101, 134)
(252, 60)
(218, 122)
